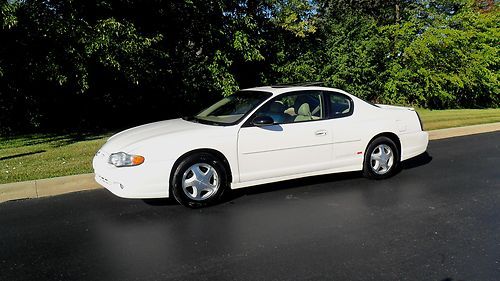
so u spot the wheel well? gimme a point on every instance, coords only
(392, 137)
(214, 152)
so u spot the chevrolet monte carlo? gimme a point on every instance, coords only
(256, 136)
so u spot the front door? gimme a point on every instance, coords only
(299, 142)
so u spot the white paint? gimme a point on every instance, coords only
(257, 155)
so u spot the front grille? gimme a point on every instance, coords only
(103, 179)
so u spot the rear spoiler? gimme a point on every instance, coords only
(395, 107)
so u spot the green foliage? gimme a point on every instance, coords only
(296, 16)
(221, 76)
(120, 48)
(8, 20)
(55, 58)
(249, 51)
(353, 56)
(435, 54)
(448, 65)
(88, 62)
(8, 17)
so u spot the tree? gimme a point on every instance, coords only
(109, 63)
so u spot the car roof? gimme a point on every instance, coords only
(278, 90)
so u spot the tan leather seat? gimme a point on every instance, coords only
(304, 113)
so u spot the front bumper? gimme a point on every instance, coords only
(148, 180)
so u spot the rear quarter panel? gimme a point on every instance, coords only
(372, 121)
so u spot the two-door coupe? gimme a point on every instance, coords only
(257, 136)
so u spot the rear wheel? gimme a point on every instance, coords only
(381, 159)
(199, 180)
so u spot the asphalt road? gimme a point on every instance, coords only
(438, 219)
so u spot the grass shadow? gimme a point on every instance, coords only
(74, 138)
(50, 140)
(21, 154)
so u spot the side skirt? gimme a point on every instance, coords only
(289, 177)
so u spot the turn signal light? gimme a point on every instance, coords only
(137, 160)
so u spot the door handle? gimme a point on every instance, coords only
(320, 133)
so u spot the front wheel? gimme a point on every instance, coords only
(381, 159)
(199, 180)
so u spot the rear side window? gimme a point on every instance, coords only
(339, 105)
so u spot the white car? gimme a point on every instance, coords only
(256, 136)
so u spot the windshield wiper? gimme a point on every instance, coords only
(202, 121)
(190, 118)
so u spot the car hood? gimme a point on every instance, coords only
(125, 139)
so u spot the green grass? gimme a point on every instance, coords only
(32, 157)
(44, 156)
(440, 119)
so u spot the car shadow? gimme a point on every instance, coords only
(230, 195)
(417, 161)
(160, 201)
(288, 184)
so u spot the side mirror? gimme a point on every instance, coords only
(263, 120)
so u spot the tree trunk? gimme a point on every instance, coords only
(398, 16)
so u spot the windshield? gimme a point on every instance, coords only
(230, 110)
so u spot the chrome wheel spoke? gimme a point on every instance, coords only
(199, 192)
(390, 162)
(198, 174)
(194, 191)
(383, 167)
(190, 180)
(382, 159)
(200, 181)
(209, 174)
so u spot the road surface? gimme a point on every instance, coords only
(438, 219)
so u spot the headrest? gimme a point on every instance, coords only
(277, 107)
(304, 110)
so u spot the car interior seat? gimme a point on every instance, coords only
(277, 112)
(303, 113)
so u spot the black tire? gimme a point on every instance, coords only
(184, 196)
(369, 171)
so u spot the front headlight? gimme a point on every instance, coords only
(122, 159)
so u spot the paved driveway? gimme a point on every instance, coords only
(439, 219)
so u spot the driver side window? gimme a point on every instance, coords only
(296, 107)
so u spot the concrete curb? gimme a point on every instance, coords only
(67, 184)
(463, 131)
(47, 187)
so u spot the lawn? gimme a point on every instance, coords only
(43, 156)
(440, 119)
